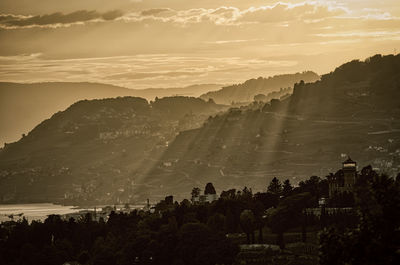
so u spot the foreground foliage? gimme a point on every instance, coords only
(209, 233)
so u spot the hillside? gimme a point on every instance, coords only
(126, 149)
(352, 111)
(94, 149)
(364, 90)
(23, 106)
(246, 91)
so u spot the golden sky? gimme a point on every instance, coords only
(169, 43)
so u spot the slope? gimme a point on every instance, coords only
(352, 111)
(246, 91)
(93, 151)
(22, 106)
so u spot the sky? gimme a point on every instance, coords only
(173, 43)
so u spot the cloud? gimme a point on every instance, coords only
(190, 44)
(20, 57)
(232, 41)
(287, 12)
(219, 16)
(223, 15)
(56, 19)
(140, 71)
(152, 75)
(154, 11)
(353, 34)
(279, 13)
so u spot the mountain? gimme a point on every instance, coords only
(22, 106)
(354, 110)
(189, 91)
(246, 91)
(126, 149)
(355, 90)
(95, 150)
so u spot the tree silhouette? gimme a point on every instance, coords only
(195, 193)
(247, 222)
(275, 186)
(287, 187)
(288, 214)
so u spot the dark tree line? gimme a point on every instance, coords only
(198, 233)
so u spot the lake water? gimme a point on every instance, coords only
(33, 211)
(40, 211)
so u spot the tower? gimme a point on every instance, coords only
(349, 174)
(344, 179)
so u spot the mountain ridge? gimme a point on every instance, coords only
(348, 112)
(246, 91)
(24, 105)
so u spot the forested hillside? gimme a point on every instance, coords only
(94, 150)
(23, 106)
(354, 110)
(246, 91)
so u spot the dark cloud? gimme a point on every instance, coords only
(7, 20)
(111, 15)
(154, 11)
(9, 17)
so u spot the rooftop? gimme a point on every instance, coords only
(349, 161)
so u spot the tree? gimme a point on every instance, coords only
(288, 214)
(259, 221)
(287, 187)
(199, 245)
(267, 199)
(169, 199)
(246, 193)
(247, 222)
(230, 223)
(195, 193)
(260, 97)
(229, 194)
(275, 186)
(209, 189)
(315, 186)
(217, 223)
(275, 103)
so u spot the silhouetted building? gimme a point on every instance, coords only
(210, 195)
(208, 198)
(344, 179)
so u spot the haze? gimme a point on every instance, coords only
(154, 43)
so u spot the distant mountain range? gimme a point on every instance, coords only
(245, 92)
(23, 106)
(126, 149)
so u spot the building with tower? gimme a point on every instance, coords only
(344, 179)
(209, 196)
